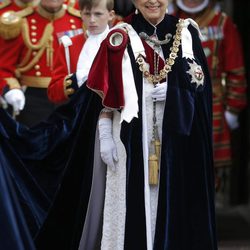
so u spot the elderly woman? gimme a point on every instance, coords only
(144, 178)
(161, 83)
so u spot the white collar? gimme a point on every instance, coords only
(103, 34)
(197, 9)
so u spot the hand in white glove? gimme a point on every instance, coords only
(16, 99)
(107, 145)
(159, 92)
(232, 120)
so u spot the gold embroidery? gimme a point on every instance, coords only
(45, 43)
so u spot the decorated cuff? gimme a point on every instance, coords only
(70, 85)
(10, 83)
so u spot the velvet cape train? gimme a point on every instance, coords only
(185, 220)
(34, 161)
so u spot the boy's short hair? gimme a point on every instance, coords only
(89, 4)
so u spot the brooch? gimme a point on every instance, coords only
(196, 73)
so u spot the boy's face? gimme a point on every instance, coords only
(97, 19)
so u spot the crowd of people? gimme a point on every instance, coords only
(115, 122)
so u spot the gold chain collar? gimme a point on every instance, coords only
(169, 61)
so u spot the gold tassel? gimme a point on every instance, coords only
(153, 164)
(153, 169)
(49, 53)
(157, 148)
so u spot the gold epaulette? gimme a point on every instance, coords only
(5, 4)
(11, 22)
(25, 12)
(73, 11)
(71, 3)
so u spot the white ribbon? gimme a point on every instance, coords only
(186, 38)
(66, 41)
(87, 55)
(131, 108)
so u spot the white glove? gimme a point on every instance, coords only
(232, 120)
(107, 145)
(15, 98)
(159, 92)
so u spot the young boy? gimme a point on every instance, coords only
(75, 56)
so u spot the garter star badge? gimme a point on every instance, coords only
(196, 73)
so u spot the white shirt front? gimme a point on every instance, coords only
(87, 55)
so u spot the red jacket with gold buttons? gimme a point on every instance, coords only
(28, 59)
(59, 89)
(15, 5)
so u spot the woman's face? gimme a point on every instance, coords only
(152, 10)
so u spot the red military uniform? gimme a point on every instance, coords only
(15, 5)
(222, 46)
(72, 3)
(61, 85)
(27, 60)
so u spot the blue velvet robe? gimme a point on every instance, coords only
(59, 157)
(35, 160)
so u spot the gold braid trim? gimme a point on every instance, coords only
(205, 18)
(25, 12)
(12, 83)
(21, 4)
(34, 61)
(11, 23)
(5, 4)
(45, 38)
(35, 82)
(25, 59)
(66, 86)
(44, 43)
(73, 11)
(238, 72)
(71, 3)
